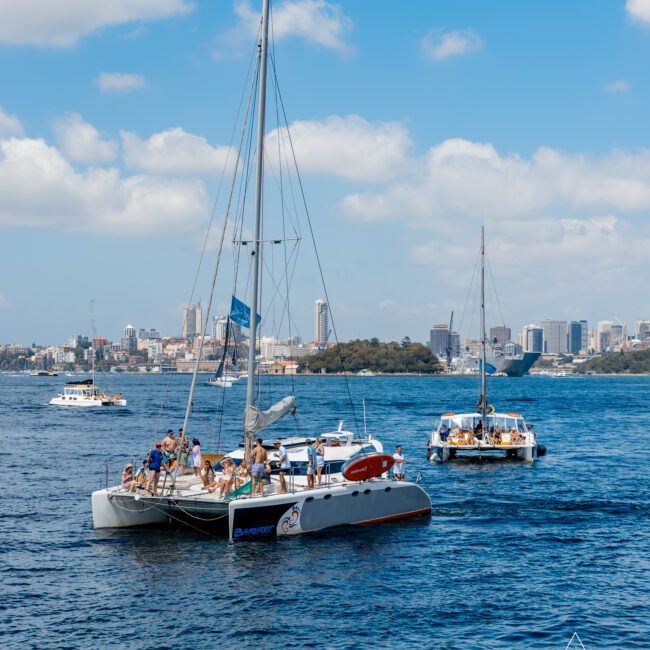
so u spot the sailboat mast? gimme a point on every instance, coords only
(259, 164)
(483, 342)
(92, 343)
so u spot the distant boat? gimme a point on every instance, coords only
(223, 379)
(482, 432)
(43, 373)
(366, 373)
(85, 393)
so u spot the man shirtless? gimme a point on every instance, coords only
(168, 447)
(257, 471)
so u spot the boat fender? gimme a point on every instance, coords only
(541, 450)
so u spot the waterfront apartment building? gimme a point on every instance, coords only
(321, 323)
(192, 321)
(532, 338)
(219, 324)
(555, 336)
(500, 335)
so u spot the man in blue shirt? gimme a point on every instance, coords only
(155, 463)
(311, 463)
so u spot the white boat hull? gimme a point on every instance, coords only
(246, 518)
(86, 403)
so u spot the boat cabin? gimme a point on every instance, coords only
(80, 392)
(501, 428)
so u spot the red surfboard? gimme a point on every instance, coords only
(366, 466)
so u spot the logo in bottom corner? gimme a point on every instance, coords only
(291, 520)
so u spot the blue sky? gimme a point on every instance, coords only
(412, 128)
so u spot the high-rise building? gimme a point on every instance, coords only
(576, 342)
(584, 345)
(129, 339)
(532, 338)
(500, 335)
(555, 336)
(440, 338)
(642, 330)
(150, 334)
(321, 322)
(219, 324)
(604, 339)
(192, 321)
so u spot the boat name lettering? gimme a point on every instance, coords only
(252, 532)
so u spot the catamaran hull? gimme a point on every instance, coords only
(309, 511)
(270, 516)
(443, 454)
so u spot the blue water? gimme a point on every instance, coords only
(512, 556)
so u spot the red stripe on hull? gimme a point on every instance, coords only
(402, 515)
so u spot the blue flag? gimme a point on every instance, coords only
(489, 368)
(241, 313)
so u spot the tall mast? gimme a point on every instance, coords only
(259, 164)
(483, 354)
(92, 343)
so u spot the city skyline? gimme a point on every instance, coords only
(529, 120)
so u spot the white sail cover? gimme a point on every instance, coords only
(255, 420)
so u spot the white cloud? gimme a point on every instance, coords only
(62, 23)
(40, 189)
(617, 86)
(349, 147)
(439, 44)
(119, 82)
(639, 10)
(317, 21)
(174, 151)
(9, 124)
(82, 142)
(459, 177)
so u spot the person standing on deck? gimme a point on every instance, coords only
(196, 456)
(284, 463)
(257, 471)
(311, 464)
(398, 467)
(156, 461)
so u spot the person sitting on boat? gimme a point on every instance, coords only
(207, 473)
(127, 477)
(227, 477)
(336, 442)
(141, 478)
(444, 432)
(478, 430)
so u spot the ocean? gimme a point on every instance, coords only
(513, 555)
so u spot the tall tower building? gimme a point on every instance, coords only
(129, 339)
(439, 340)
(575, 337)
(192, 321)
(604, 335)
(321, 323)
(555, 336)
(532, 339)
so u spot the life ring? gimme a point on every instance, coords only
(489, 410)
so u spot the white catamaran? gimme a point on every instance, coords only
(334, 501)
(483, 432)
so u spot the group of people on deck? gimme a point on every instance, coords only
(170, 453)
(175, 452)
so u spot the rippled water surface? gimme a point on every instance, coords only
(512, 556)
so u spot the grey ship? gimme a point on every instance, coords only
(517, 365)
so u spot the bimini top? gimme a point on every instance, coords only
(470, 420)
(81, 382)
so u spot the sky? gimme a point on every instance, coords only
(412, 128)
